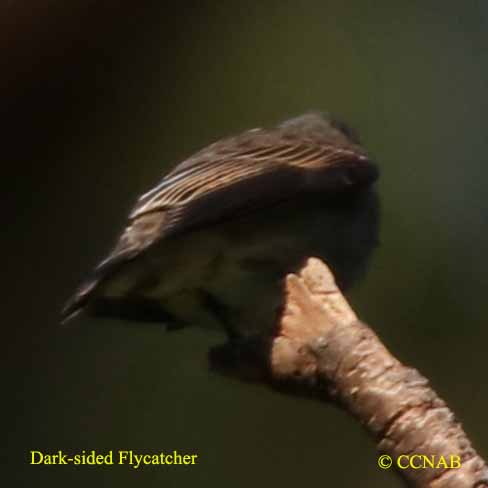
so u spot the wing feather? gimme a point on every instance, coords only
(308, 142)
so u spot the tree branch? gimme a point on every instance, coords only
(321, 346)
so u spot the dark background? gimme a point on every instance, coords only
(99, 98)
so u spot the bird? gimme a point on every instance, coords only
(213, 240)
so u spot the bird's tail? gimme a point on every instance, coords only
(137, 236)
(75, 305)
(91, 287)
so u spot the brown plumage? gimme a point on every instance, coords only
(231, 178)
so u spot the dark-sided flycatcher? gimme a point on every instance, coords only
(213, 240)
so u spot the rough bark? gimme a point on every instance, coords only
(321, 345)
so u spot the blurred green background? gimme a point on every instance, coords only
(99, 98)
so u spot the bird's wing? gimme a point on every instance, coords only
(235, 175)
(257, 165)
